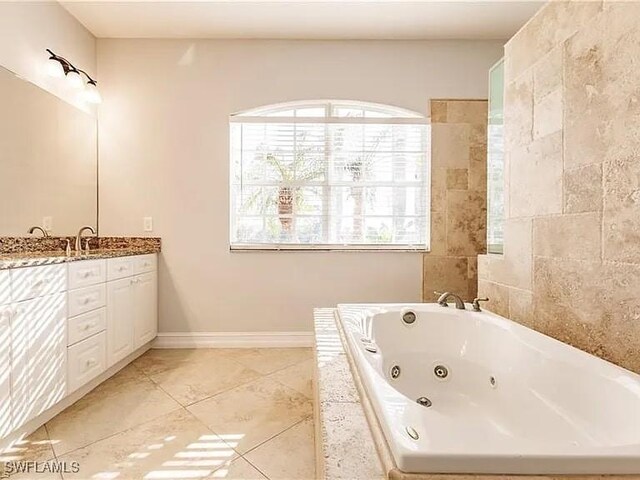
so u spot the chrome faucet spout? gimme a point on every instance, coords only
(442, 300)
(79, 237)
(33, 229)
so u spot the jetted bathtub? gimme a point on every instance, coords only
(457, 391)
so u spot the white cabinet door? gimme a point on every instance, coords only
(146, 301)
(120, 319)
(5, 371)
(5, 287)
(39, 356)
(20, 392)
(48, 351)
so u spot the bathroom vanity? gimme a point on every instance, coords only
(69, 317)
(66, 325)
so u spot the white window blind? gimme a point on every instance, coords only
(329, 175)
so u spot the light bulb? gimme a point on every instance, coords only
(75, 80)
(91, 93)
(55, 68)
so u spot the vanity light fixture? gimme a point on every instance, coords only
(58, 66)
(91, 92)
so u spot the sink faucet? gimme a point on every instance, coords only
(79, 238)
(442, 300)
(44, 232)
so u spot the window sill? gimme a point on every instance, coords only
(329, 248)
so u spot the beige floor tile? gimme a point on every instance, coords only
(298, 376)
(173, 446)
(268, 360)
(127, 399)
(289, 456)
(157, 361)
(251, 414)
(33, 448)
(238, 469)
(191, 382)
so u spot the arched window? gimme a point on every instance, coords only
(329, 175)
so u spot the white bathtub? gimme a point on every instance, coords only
(513, 401)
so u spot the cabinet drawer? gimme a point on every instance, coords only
(32, 282)
(86, 360)
(84, 273)
(119, 268)
(86, 299)
(145, 263)
(86, 325)
(5, 287)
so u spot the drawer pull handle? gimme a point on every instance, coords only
(122, 268)
(91, 362)
(88, 326)
(40, 283)
(87, 274)
(88, 300)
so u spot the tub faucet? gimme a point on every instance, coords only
(442, 300)
(476, 303)
(79, 237)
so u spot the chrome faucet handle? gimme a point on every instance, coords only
(476, 303)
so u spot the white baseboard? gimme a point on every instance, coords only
(233, 339)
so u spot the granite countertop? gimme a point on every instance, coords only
(32, 259)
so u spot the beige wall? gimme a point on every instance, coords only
(458, 197)
(571, 267)
(164, 153)
(28, 28)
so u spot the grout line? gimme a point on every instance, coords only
(260, 377)
(603, 197)
(276, 435)
(55, 457)
(254, 466)
(119, 432)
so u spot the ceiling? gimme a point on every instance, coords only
(310, 19)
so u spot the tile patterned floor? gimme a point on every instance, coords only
(235, 414)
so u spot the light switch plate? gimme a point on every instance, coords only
(148, 224)
(47, 223)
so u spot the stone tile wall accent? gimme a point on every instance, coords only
(458, 197)
(571, 267)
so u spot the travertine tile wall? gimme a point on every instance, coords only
(571, 267)
(458, 197)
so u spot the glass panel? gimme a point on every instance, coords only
(311, 112)
(495, 161)
(329, 183)
(342, 112)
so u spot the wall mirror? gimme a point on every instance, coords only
(48, 161)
